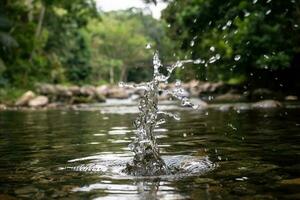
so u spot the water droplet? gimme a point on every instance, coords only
(148, 46)
(229, 22)
(212, 59)
(246, 14)
(178, 83)
(237, 57)
(192, 43)
(254, 1)
(296, 25)
(266, 56)
(212, 48)
(268, 12)
(269, 1)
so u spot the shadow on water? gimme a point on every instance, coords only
(257, 154)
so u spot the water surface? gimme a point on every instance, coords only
(256, 154)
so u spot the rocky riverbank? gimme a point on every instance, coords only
(55, 96)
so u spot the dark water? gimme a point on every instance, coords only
(256, 154)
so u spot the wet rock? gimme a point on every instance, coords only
(242, 106)
(118, 93)
(208, 88)
(229, 97)
(206, 181)
(7, 197)
(295, 181)
(46, 89)
(38, 101)
(55, 105)
(102, 90)
(87, 90)
(291, 98)
(2, 107)
(83, 100)
(74, 89)
(267, 104)
(99, 97)
(63, 91)
(25, 98)
(26, 190)
(263, 93)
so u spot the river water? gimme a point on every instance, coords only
(79, 154)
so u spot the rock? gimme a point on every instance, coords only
(295, 181)
(267, 104)
(7, 197)
(25, 98)
(99, 97)
(102, 90)
(26, 190)
(63, 91)
(291, 98)
(87, 90)
(208, 87)
(75, 90)
(46, 89)
(38, 101)
(263, 93)
(229, 97)
(82, 100)
(2, 107)
(118, 93)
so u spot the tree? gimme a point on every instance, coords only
(119, 44)
(237, 40)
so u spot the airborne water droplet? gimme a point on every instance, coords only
(148, 46)
(237, 57)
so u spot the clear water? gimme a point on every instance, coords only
(255, 154)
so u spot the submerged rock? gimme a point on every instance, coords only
(38, 101)
(25, 98)
(267, 104)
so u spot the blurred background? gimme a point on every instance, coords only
(242, 43)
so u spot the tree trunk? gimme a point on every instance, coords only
(123, 76)
(38, 29)
(111, 75)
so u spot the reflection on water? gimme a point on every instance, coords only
(258, 159)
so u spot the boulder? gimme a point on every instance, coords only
(99, 97)
(2, 107)
(74, 89)
(46, 89)
(267, 104)
(229, 97)
(118, 93)
(63, 91)
(25, 98)
(38, 101)
(291, 98)
(87, 90)
(264, 93)
(102, 90)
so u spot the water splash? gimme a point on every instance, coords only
(147, 160)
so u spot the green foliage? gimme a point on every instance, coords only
(248, 36)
